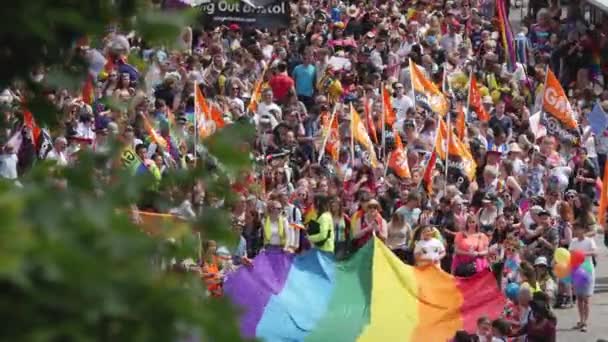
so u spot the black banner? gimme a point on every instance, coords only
(254, 14)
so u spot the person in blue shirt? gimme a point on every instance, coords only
(305, 79)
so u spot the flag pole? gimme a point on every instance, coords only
(327, 134)
(466, 112)
(196, 133)
(447, 152)
(411, 62)
(542, 104)
(352, 136)
(383, 122)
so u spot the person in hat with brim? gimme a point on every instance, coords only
(544, 279)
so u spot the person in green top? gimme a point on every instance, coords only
(321, 230)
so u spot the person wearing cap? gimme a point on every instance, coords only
(544, 279)
(542, 237)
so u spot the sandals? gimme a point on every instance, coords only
(578, 326)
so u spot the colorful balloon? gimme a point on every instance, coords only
(587, 266)
(580, 278)
(562, 256)
(561, 270)
(577, 257)
(512, 291)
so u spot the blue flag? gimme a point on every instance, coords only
(597, 120)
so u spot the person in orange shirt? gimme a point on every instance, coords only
(210, 269)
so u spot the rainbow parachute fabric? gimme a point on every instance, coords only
(372, 296)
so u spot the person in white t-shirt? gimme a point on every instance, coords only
(8, 163)
(587, 245)
(428, 250)
(401, 102)
(58, 153)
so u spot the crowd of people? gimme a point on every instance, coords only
(319, 182)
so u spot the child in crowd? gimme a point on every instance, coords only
(428, 249)
(582, 242)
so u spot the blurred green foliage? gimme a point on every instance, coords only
(73, 267)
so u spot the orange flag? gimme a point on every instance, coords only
(387, 107)
(204, 117)
(331, 127)
(601, 211)
(157, 138)
(460, 122)
(88, 92)
(256, 93)
(475, 100)
(556, 102)
(454, 147)
(359, 133)
(427, 177)
(426, 92)
(28, 121)
(398, 159)
(217, 115)
(371, 127)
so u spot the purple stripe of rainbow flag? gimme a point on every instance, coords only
(507, 34)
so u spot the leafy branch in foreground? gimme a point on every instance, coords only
(73, 266)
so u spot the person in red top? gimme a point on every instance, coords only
(281, 83)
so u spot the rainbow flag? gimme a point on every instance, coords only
(372, 296)
(507, 34)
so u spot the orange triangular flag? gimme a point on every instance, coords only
(28, 121)
(556, 102)
(387, 107)
(460, 122)
(359, 133)
(157, 138)
(426, 92)
(398, 159)
(427, 177)
(475, 100)
(371, 127)
(217, 116)
(601, 211)
(333, 141)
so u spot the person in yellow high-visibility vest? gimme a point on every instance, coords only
(321, 229)
(276, 229)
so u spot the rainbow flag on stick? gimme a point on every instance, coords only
(372, 296)
(506, 33)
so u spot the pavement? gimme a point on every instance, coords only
(598, 320)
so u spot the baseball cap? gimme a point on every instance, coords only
(541, 260)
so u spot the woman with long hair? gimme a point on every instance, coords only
(321, 229)
(399, 234)
(471, 249)
(341, 228)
